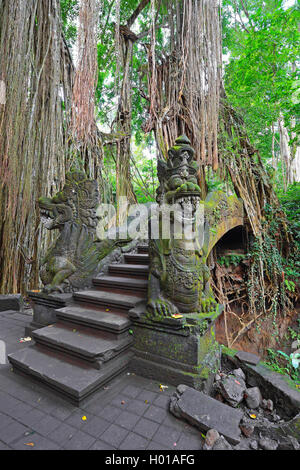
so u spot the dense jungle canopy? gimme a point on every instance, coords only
(107, 85)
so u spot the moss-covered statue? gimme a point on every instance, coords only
(71, 262)
(179, 276)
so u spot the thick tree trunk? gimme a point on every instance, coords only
(123, 128)
(86, 141)
(184, 86)
(32, 141)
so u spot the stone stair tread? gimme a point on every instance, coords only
(107, 298)
(72, 378)
(144, 256)
(143, 248)
(131, 267)
(121, 281)
(94, 318)
(86, 344)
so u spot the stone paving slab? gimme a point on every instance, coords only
(207, 413)
(129, 413)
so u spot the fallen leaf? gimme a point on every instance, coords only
(29, 444)
(23, 340)
(163, 387)
(252, 415)
(84, 418)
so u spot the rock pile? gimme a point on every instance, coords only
(252, 424)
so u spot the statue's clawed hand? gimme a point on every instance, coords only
(162, 308)
(52, 288)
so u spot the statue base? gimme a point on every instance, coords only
(44, 306)
(176, 350)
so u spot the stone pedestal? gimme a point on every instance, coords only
(44, 306)
(11, 302)
(176, 351)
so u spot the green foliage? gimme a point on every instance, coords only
(290, 203)
(230, 260)
(69, 12)
(262, 41)
(284, 364)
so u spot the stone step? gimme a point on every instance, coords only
(137, 258)
(143, 248)
(206, 413)
(123, 302)
(123, 283)
(112, 321)
(136, 270)
(73, 378)
(91, 346)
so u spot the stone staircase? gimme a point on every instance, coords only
(91, 342)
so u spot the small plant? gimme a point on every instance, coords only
(230, 259)
(283, 363)
(290, 285)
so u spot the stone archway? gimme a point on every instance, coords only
(222, 213)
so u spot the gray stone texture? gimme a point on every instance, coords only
(206, 413)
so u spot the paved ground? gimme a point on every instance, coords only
(130, 413)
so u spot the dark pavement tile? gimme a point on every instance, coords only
(110, 413)
(163, 401)
(138, 407)
(4, 446)
(166, 436)
(39, 443)
(20, 410)
(114, 435)
(189, 441)
(131, 391)
(147, 395)
(156, 446)
(46, 425)
(127, 420)
(32, 417)
(75, 419)
(62, 434)
(63, 412)
(100, 445)
(134, 442)
(95, 426)
(146, 428)
(95, 407)
(80, 441)
(12, 432)
(155, 414)
(121, 401)
(5, 420)
(8, 403)
(176, 423)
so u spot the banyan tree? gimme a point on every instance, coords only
(47, 125)
(187, 96)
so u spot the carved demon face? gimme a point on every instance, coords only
(53, 214)
(178, 180)
(77, 202)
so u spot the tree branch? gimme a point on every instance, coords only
(136, 12)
